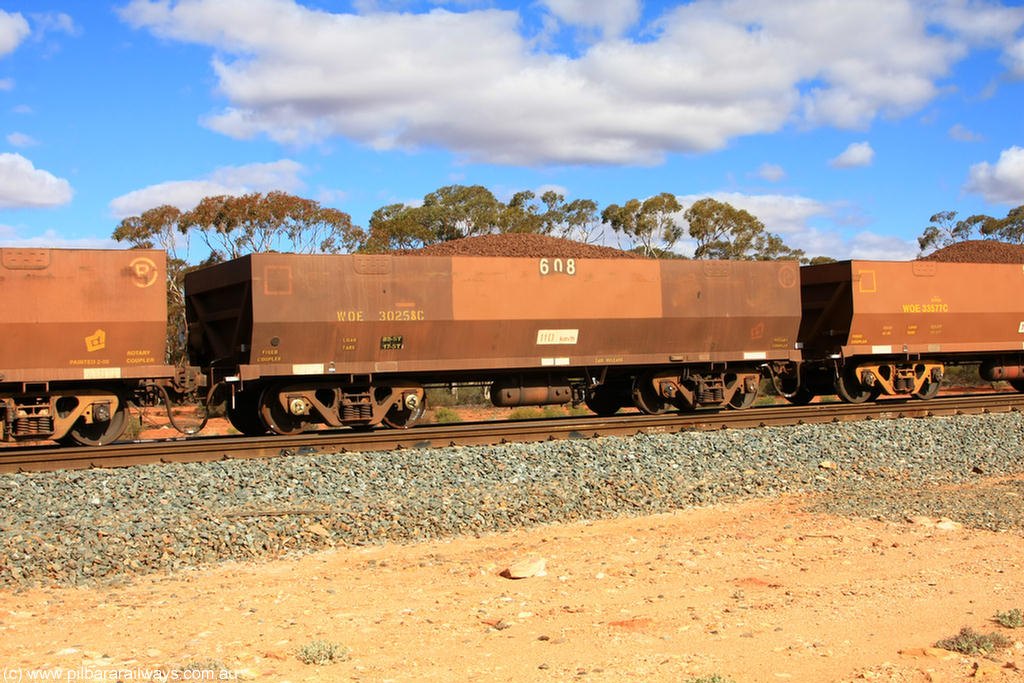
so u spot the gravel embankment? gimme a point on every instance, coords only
(74, 527)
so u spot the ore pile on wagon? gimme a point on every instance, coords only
(979, 251)
(518, 245)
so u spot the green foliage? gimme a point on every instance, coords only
(457, 395)
(969, 642)
(724, 232)
(459, 211)
(536, 412)
(945, 229)
(1009, 229)
(320, 652)
(445, 415)
(526, 413)
(133, 429)
(714, 678)
(230, 227)
(276, 221)
(651, 223)
(1013, 618)
(963, 376)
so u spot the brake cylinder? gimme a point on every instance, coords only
(528, 391)
(993, 371)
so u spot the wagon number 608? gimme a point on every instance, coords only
(557, 265)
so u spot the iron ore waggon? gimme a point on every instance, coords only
(872, 328)
(354, 339)
(84, 331)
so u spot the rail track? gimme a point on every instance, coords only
(200, 449)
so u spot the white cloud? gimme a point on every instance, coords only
(819, 228)
(872, 246)
(6, 84)
(54, 22)
(856, 155)
(13, 30)
(21, 140)
(233, 180)
(1002, 183)
(22, 185)
(961, 133)
(773, 173)
(1014, 58)
(704, 73)
(51, 239)
(610, 17)
(978, 21)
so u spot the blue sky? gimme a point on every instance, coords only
(842, 125)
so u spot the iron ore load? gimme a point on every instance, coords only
(353, 339)
(84, 333)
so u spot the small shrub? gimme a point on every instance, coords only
(203, 664)
(321, 652)
(713, 678)
(553, 411)
(445, 415)
(1012, 619)
(217, 410)
(970, 642)
(133, 429)
(459, 395)
(578, 411)
(525, 414)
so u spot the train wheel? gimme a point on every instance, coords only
(245, 416)
(604, 400)
(403, 417)
(743, 401)
(929, 390)
(646, 398)
(98, 433)
(1017, 384)
(274, 415)
(850, 390)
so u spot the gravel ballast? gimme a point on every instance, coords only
(80, 526)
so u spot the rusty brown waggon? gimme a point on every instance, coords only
(354, 339)
(872, 328)
(82, 330)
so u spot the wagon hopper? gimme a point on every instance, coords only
(352, 339)
(82, 329)
(876, 327)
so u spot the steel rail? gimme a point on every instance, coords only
(199, 449)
